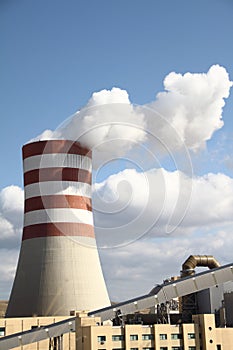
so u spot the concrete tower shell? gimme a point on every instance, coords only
(59, 268)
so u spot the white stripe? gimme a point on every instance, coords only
(57, 187)
(58, 215)
(60, 160)
(58, 241)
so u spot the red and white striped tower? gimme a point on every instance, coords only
(59, 268)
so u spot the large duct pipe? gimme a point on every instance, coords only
(59, 268)
(189, 303)
(188, 267)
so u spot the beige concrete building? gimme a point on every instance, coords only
(90, 334)
(199, 335)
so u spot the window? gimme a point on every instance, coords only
(192, 347)
(117, 337)
(176, 348)
(219, 347)
(133, 348)
(175, 336)
(163, 336)
(147, 348)
(101, 338)
(163, 348)
(191, 335)
(2, 331)
(147, 336)
(133, 337)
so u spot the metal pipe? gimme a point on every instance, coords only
(188, 267)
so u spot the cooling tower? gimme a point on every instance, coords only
(59, 267)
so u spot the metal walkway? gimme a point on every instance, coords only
(160, 294)
(37, 334)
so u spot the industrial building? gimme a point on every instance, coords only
(151, 321)
(59, 299)
(91, 335)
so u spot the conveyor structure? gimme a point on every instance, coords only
(160, 294)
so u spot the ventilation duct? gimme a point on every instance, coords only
(188, 267)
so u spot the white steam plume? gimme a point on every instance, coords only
(187, 113)
(192, 106)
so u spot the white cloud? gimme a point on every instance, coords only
(11, 215)
(7, 270)
(212, 200)
(7, 229)
(11, 199)
(129, 205)
(134, 269)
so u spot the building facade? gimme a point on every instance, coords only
(201, 334)
(90, 334)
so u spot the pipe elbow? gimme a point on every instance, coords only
(198, 260)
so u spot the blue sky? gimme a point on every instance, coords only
(55, 54)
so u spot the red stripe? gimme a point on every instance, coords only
(59, 229)
(57, 201)
(54, 146)
(57, 174)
